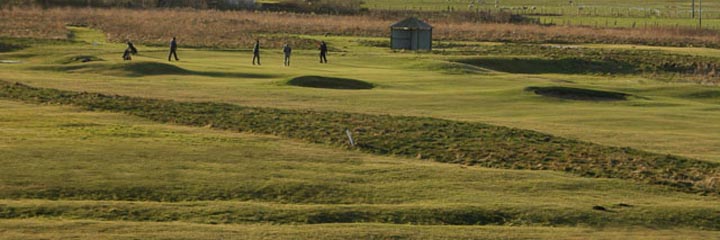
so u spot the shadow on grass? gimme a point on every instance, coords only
(154, 68)
(580, 94)
(330, 83)
(559, 66)
(141, 69)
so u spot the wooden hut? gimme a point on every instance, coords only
(411, 34)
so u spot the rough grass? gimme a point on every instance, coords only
(84, 229)
(542, 65)
(330, 83)
(110, 167)
(578, 93)
(423, 138)
(708, 94)
(453, 214)
(9, 47)
(215, 29)
(537, 59)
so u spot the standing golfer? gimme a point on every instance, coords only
(323, 52)
(287, 50)
(173, 50)
(256, 52)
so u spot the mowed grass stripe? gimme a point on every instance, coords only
(423, 138)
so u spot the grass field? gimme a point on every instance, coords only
(68, 172)
(596, 13)
(614, 8)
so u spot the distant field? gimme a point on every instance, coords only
(213, 29)
(658, 8)
(599, 13)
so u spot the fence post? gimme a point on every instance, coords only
(349, 135)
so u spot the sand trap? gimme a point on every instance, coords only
(580, 94)
(330, 83)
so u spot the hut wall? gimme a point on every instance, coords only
(401, 39)
(424, 40)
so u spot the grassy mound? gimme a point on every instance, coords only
(542, 65)
(417, 137)
(450, 67)
(152, 68)
(9, 47)
(330, 83)
(238, 213)
(80, 59)
(578, 93)
(84, 64)
(709, 94)
(137, 69)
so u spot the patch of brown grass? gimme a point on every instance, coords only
(231, 29)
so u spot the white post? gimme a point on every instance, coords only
(349, 135)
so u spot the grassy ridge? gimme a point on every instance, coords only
(423, 138)
(582, 60)
(448, 214)
(81, 229)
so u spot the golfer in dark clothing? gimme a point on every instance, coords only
(173, 50)
(256, 52)
(132, 48)
(287, 51)
(323, 52)
(129, 51)
(127, 54)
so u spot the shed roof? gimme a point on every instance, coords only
(411, 24)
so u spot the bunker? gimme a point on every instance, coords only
(411, 34)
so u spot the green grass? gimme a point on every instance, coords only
(423, 138)
(72, 173)
(68, 229)
(413, 84)
(166, 173)
(615, 8)
(596, 13)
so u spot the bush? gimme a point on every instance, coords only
(322, 6)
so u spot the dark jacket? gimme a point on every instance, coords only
(132, 48)
(173, 44)
(323, 47)
(256, 49)
(287, 50)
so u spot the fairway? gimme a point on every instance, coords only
(472, 140)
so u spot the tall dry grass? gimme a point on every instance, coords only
(209, 28)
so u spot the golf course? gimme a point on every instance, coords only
(613, 136)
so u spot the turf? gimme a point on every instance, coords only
(424, 138)
(56, 166)
(124, 176)
(72, 229)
